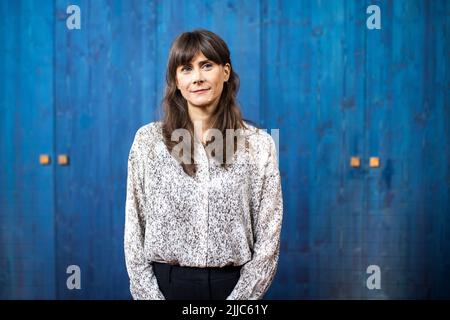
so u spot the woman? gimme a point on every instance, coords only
(204, 200)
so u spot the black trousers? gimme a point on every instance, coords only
(189, 283)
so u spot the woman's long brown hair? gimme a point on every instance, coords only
(227, 115)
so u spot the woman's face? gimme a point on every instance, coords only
(201, 81)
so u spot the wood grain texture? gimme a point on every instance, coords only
(311, 69)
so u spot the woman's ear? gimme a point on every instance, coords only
(227, 71)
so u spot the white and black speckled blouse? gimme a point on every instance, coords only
(214, 219)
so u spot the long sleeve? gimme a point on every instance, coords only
(143, 283)
(258, 273)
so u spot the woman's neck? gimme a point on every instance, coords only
(200, 117)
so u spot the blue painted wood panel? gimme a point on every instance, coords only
(27, 242)
(407, 126)
(104, 91)
(311, 69)
(317, 68)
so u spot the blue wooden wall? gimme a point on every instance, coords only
(312, 69)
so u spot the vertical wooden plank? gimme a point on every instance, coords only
(26, 187)
(433, 118)
(378, 51)
(74, 213)
(353, 102)
(313, 88)
(131, 108)
(105, 88)
(407, 99)
(284, 55)
(138, 75)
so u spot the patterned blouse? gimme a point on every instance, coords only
(217, 218)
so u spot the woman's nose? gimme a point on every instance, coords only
(197, 76)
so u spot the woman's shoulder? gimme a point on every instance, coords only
(147, 135)
(149, 131)
(261, 144)
(258, 136)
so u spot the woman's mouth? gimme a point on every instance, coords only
(201, 91)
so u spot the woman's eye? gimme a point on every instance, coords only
(187, 68)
